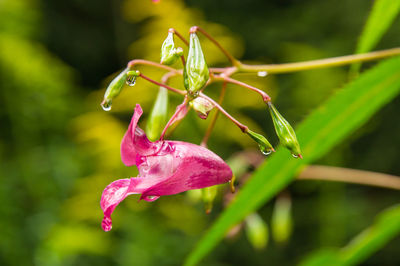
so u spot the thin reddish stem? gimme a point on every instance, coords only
(180, 110)
(242, 127)
(135, 62)
(265, 96)
(162, 85)
(233, 60)
(215, 117)
(174, 31)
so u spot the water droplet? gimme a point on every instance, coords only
(262, 73)
(295, 155)
(106, 105)
(131, 80)
(264, 150)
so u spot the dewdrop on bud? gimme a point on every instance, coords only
(202, 106)
(131, 77)
(285, 132)
(195, 73)
(169, 54)
(264, 145)
(113, 90)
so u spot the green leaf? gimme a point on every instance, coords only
(380, 18)
(347, 110)
(385, 228)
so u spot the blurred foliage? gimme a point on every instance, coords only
(59, 149)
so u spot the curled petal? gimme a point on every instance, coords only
(135, 141)
(113, 194)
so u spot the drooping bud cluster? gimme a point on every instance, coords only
(169, 54)
(195, 73)
(114, 89)
(285, 132)
(202, 106)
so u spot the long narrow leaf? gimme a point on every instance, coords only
(379, 20)
(347, 110)
(385, 228)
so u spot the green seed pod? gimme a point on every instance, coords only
(265, 147)
(169, 54)
(256, 231)
(208, 196)
(158, 115)
(285, 132)
(195, 74)
(282, 222)
(202, 106)
(114, 89)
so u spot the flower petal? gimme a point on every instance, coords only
(135, 141)
(114, 193)
(198, 167)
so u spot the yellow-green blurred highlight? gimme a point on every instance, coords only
(282, 221)
(256, 231)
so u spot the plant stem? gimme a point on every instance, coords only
(242, 127)
(264, 95)
(174, 31)
(337, 174)
(162, 85)
(321, 63)
(214, 119)
(181, 110)
(233, 60)
(135, 62)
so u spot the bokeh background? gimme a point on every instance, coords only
(59, 149)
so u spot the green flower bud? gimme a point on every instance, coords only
(202, 106)
(195, 74)
(282, 223)
(114, 89)
(256, 231)
(265, 147)
(208, 196)
(285, 132)
(169, 54)
(158, 115)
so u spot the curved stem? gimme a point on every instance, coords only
(233, 60)
(321, 63)
(162, 85)
(180, 113)
(264, 95)
(242, 127)
(174, 31)
(337, 174)
(135, 62)
(214, 119)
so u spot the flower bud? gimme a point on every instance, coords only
(158, 115)
(265, 147)
(256, 231)
(195, 74)
(114, 89)
(202, 106)
(169, 54)
(285, 132)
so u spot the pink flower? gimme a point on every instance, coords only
(165, 168)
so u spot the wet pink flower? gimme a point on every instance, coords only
(165, 168)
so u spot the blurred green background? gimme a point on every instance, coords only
(59, 150)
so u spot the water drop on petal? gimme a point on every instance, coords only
(131, 80)
(262, 73)
(106, 105)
